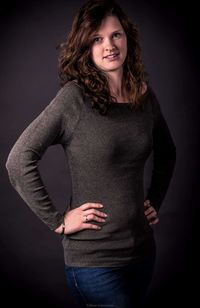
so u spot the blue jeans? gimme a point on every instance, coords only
(111, 287)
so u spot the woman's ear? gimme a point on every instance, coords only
(143, 87)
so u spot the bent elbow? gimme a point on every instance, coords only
(12, 165)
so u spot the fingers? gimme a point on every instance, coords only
(149, 210)
(96, 218)
(154, 221)
(95, 212)
(90, 205)
(90, 210)
(147, 204)
(96, 215)
(90, 226)
(150, 213)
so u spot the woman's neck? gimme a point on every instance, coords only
(120, 96)
(115, 85)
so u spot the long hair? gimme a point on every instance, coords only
(75, 61)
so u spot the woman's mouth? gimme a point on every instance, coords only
(112, 57)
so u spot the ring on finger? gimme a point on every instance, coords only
(86, 219)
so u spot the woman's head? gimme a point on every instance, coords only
(90, 39)
(109, 46)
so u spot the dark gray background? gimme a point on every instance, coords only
(32, 267)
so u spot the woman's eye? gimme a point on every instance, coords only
(96, 39)
(117, 34)
(99, 39)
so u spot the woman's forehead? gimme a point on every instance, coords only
(109, 22)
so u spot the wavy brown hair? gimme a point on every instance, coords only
(75, 61)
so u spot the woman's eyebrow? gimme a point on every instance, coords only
(95, 34)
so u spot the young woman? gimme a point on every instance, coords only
(108, 120)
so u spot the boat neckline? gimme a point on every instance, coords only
(115, 103)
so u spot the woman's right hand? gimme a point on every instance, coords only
(80, 217)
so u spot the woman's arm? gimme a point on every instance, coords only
(55, 124)
(164, 156)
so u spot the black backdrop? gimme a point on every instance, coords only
(32, 268)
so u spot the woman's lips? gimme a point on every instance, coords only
(112, 57)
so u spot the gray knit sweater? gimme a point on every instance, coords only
(106, 156)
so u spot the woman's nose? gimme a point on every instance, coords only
(110, 48)
(109, 45)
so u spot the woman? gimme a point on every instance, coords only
(108, 121)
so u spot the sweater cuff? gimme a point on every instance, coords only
(58, 220)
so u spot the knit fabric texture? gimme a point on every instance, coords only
(106, 156)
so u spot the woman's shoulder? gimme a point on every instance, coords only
(68, 99)
(71, 88)
(150, 100)
(147, 91)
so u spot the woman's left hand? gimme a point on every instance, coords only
(150, 213)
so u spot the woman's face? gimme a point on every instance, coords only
(110, 39)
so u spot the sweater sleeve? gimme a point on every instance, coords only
(164, 156)
(54, 125)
